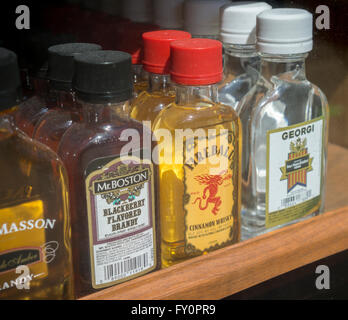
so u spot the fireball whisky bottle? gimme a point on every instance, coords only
(199, 165)
(285, 129)
(35, 254)
(112, 195)
(156, 61)
(51, 126)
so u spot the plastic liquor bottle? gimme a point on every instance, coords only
(201, 17)
(31, 110)
(133, 44)
(10, 83)
(199, 167)
(112, 195)
(35, 253)
(51, 126)
(169, 14)
(285, 128)
(156, 61)
(241, 61)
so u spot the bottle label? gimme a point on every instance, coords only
(23, 243)
(210, 196)
(120, 201)
(294, 172)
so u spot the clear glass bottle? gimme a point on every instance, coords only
(241, 61)
(199, 192)
(31, 110)
(35, 252)
(51, 126)
(285, 129)
(113, 218)
(156, 61)
(201, 18)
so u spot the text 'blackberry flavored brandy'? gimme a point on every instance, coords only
(199, 162)
(51, 126)
(112, 190)
(35, 253)
(157, 62)
(241, 61)
(285, 127)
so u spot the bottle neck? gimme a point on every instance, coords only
(61, 99)
(239, 59)
(94, 113)
(159, 83)
(139, 74)
(194, 95)
(275, 65)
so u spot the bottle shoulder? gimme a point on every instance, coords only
(286, 101)
(196, 115)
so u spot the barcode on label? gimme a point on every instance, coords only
(289, 200)
(112, 271)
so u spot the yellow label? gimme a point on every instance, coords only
(23, 242)
(209, 200)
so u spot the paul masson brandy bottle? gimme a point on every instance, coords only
(285, 128)
(35, 254)
(156, 61)
(199, 165)
(52, 125)
(30, 111)
(241, 61)
(112, 192)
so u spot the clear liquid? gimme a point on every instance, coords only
(286, 99)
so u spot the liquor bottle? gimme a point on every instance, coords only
(35, 253)
(169, 14)
(50, 128)
(156, 61)
(201, 17)
(133, 44)
(199, 166)
(285, 128)
(10, 83)
(112, 195)
(31, 110)
(241, 61)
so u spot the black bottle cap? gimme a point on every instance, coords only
(10, 83)
(103, 77)
(61, 66)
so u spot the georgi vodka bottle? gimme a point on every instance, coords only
(285, 127)
(241, 61)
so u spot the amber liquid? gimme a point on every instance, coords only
(52, 125)
(96, 137)
(33, 190)
(193, 115)
(149, 103)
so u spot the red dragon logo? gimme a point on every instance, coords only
(213, 182)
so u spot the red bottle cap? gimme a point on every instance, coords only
(196, 61)
(157, 49)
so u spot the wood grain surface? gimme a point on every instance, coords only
(230, 270)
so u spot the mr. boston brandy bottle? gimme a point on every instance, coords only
(112, 192)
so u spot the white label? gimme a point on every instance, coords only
(293, 170)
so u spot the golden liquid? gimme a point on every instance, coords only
(140, 86)
(33, 215)
(147, 105)
(205, 115)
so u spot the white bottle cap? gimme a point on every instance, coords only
(284, 31)
(202, 16)
(169, 13)
(238, 21)
(137, 10)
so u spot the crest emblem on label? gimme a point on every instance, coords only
(298, 164)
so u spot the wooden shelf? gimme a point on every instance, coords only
(238, 267)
